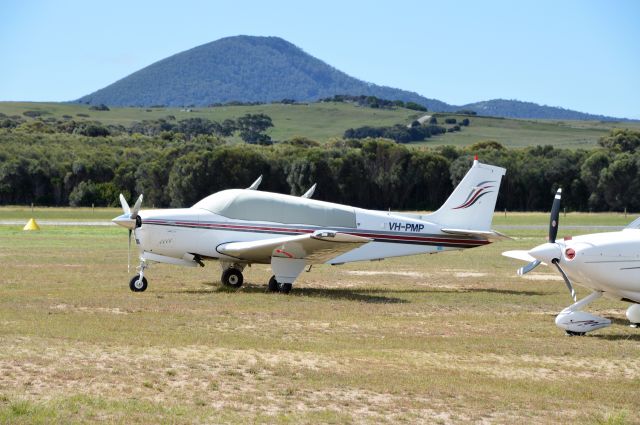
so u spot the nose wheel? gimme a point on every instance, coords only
(138, 284)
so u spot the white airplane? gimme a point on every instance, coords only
(606, 263)
(240, 227)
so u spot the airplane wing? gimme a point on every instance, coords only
(489, 234)
(317, 247)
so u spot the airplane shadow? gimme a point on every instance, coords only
(373, 295)
(635, 337)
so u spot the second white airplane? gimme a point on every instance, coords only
(240, 227)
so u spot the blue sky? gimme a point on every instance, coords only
(582, 55)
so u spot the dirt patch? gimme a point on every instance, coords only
(469, 274)
(72, 308)
(386, 273)
(540, 276)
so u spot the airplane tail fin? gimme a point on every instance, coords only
(473, 201)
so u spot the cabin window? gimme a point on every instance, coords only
(253, 205)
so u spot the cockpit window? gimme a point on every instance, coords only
(254, 205)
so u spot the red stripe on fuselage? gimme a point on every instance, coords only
(289, 230)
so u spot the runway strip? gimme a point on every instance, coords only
(57, 223)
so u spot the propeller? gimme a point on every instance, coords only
(549, 252)
(553, 232)
(130, 220)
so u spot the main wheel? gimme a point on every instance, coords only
(137, 285)
(573, 333)
(273, 284)
(232, 277)
(285, 288)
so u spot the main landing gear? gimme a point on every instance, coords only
(232, 274)
(232, 277)
(275, 286)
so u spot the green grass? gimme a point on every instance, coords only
(316, 121)
(522, 133)
(450, 338)
(323, 121)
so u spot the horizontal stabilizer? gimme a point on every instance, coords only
(489, 234)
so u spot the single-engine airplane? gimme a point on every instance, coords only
(240, 227)
(607, 263)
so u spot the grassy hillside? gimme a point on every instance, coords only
(322, 121)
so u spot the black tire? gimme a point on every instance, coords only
(232, 277)
(273, 284)
(285, 288)
(136, 285)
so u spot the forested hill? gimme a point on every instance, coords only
(264, 69)
(517, 109)
(243, 69)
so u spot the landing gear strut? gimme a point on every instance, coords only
(138, 283)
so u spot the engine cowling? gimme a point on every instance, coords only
(581, 321)
(633, 314)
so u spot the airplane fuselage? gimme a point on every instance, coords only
(605, 262)
(194, 231)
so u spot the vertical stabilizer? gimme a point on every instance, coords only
(473, 201)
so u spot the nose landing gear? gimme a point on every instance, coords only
(138, 283)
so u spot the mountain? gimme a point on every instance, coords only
(244, 69)
(518, 109)
(265, 69)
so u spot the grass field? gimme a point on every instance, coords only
(323, 121)
(450, 338)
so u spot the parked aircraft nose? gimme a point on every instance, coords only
(546, 252)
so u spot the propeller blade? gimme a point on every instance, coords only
(129, 254)
(136, 207)
(125, 205)
(519, 255)
(527, 268)
(555, 216)
(566, 280)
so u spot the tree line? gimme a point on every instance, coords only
(73, 169)
(250, 127)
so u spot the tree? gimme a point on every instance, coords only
(620, 140)
(252, 126)
(414, 106)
